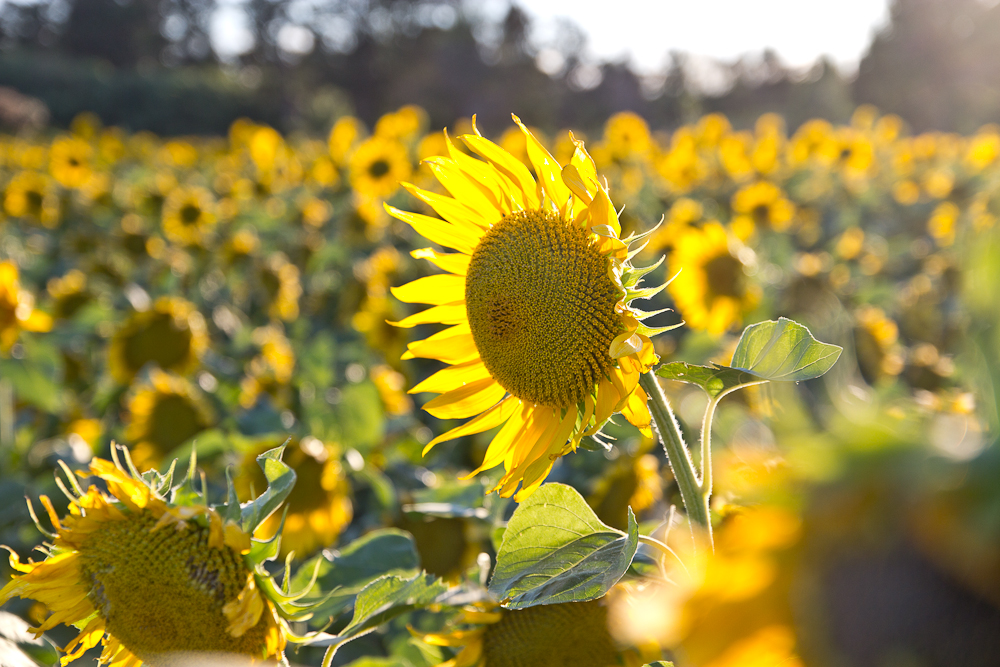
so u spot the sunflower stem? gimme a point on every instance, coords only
(6, 418)
(678, 454)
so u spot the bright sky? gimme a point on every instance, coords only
(800, 31)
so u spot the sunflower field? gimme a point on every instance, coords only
(408, 397)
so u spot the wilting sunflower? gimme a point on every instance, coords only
(151, 573)
(711, 288)
(17, 308)
(569, 634)
(541, 336)
(319, 507)
(377, 167)
(163, 415)
(188, 214)
(171, 335)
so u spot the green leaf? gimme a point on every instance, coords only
(555, 550)
(280, 480)
(382, 600)
(343, 574)
(713, 379)
(34, 381)
(783, 350)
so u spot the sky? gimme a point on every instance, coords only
(800, 31)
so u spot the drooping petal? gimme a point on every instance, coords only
(492, 418)
(637, 412)
(511, 431)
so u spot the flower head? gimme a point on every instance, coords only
(17, 308)
(151, 571)
(542, 337)
(572, 633)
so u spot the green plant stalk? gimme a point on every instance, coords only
(694, 497)
(6, 418)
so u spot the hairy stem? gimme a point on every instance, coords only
(678, 455)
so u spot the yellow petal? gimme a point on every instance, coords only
(453, 377)
(449, 313)
(462, 188)
(509, 165)
(454, 345)
(574, 181)
(437, 290)
(602, 212)
(500, 445)
(536, 471)
(637, 412)
(624, 344)
(486, 176)
(548, 170)
(452, 262)
(438, 231)
(86, 640)
(450, 209)
(466, 401)
(493, 417)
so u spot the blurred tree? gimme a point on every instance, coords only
(935, 64)
(122, 33)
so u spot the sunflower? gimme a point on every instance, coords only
(377, 167)
(69, 161)
(17, 309)
(164, 414)
(188, 214)
(568, 634)
(147, 577)
(69, 292)
(711, 289)
(171, 334)
(270, 370)
(30, 194)
(282, 287)
(761, 204)
(541, 336)
(319, 507)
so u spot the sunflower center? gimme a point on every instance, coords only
(378, 169)
(163, 592)
(160, 340)
(571, 634)
(541, 307)
(190, 214)
(173, 421)
(725, 276)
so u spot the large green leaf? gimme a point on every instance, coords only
(783, 350)
(341, 575)
(382, 600)
(280, 480)
(713, 379)
(555, 549)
